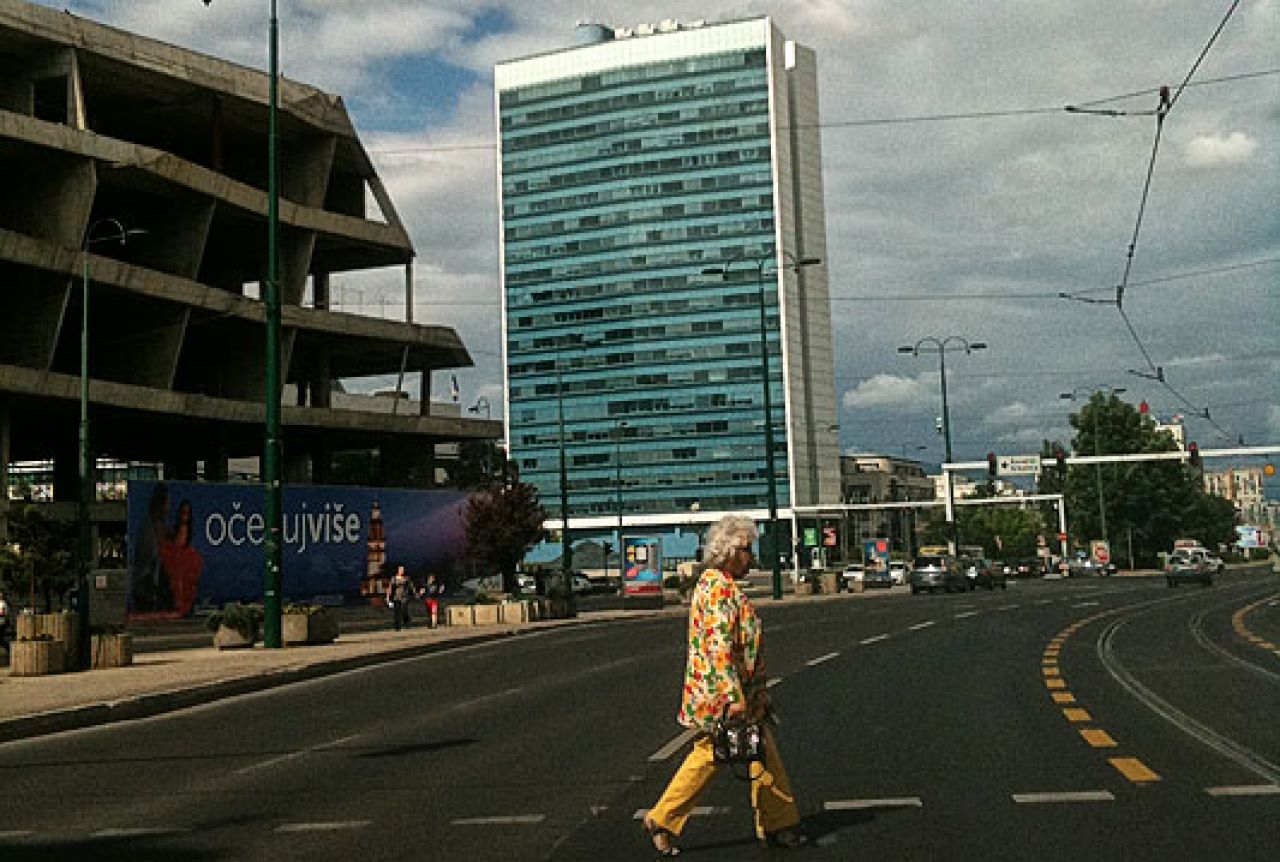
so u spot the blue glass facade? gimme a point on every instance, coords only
(619, 188)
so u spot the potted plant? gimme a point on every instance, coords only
(309, 624)
(236, 626)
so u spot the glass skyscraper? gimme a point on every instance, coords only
(629, 166)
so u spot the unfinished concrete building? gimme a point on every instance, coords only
(139, 169)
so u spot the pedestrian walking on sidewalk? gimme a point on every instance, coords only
(724, 675)
(399, 593)
(431, 594)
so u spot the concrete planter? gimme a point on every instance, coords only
(514, 612)
(228, 638)
(112, 650)
(830, 583)
(320, 627)
(460, 615)
(36, 658)
(486, 615)
(804, 588)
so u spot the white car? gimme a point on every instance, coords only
(898, 573)
(854, 573)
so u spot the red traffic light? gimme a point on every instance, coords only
(991, 464)
(1193, 453)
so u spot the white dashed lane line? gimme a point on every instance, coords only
(322, 826)
(864, 804)
(700, 811)
(872, 640)
(1245, 790)
(672, 747)
(923, 625)
(139, 832)
(814, 662)
(501, 820)
(1067, 796)
(966, 614)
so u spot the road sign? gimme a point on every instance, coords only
(1100, 551)
(1017, 465)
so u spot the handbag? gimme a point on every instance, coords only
(736, 740)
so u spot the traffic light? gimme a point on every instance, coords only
(1193, 452)
(991, 465)
(1060, 457)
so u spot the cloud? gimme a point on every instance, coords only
(1208, 151)
(886, 390)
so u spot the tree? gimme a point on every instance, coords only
(480, 465)
(40, 552)
(502, 524)
(1150, 503)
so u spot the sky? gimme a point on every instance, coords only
(962, 199)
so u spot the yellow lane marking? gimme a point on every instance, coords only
(1097, 737)
(1049, 662)
(1077, 715)
(1133, 769)
(1055, 683)
(1063, 697)
(1051, 671)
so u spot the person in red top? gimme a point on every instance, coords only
(431, 594)
(725, 674)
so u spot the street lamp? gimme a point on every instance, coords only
(795, 264)
(114, 232)
(1097, 467)
(618, 425)
(271, 455)
(930, 344)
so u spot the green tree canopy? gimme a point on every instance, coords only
(1150, 503)
(39, 549)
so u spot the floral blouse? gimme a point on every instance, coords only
(724, 664)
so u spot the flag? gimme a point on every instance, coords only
(453, 387)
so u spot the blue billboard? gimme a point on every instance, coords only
(201, 544)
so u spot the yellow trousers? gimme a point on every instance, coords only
(771, 795)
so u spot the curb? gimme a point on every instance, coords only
(156, 703)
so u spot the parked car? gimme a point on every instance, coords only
(1028, 567)
(1085, 566)
(898, 573)
(582, 585)
(854, 573)
(1183, 566)
(934, 572)
(877, 577)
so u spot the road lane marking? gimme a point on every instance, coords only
(966, 614)
(673, 746)
(1007, 608)
(770, 683)
(814, 662)
(294, 755)
(500, 820)
(1063, 697)
(1064, 796)
(322, 826)
(699, 811)
(1051, 671)
(1097, 737)
(863, 804)
(1086, 604)
(923, 625)
(1055, 683)
(1045, 602)
(1076, 714)
(139, 832)
(1051, 661)
(1240, 790)
(866, 641)
(1134, 769)
(16, 833)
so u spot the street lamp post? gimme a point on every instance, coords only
(930, 344)
(795, 264)
(566, 547)
(618, 425)
(271, 454)
(1097, 468)
(116, 232)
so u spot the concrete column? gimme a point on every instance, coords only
(320, 290)
(424, 394)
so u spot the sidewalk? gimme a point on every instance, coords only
(162, 681)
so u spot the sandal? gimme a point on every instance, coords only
(661, 839)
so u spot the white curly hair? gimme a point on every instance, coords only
(725, 537)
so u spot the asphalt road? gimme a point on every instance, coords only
(914, 727)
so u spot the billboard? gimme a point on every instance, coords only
(642, 566)
(875, 553)
(201, 544)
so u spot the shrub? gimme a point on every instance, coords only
(244, 619)
(303, 609)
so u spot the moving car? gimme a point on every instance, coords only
(985, 573)
(1185, 566)
(934, 572)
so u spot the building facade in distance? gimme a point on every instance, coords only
(631, 165)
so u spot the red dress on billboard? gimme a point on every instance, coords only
(182, 565)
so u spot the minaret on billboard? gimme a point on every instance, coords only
(374, 585)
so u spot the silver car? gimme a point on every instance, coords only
(934, 573)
